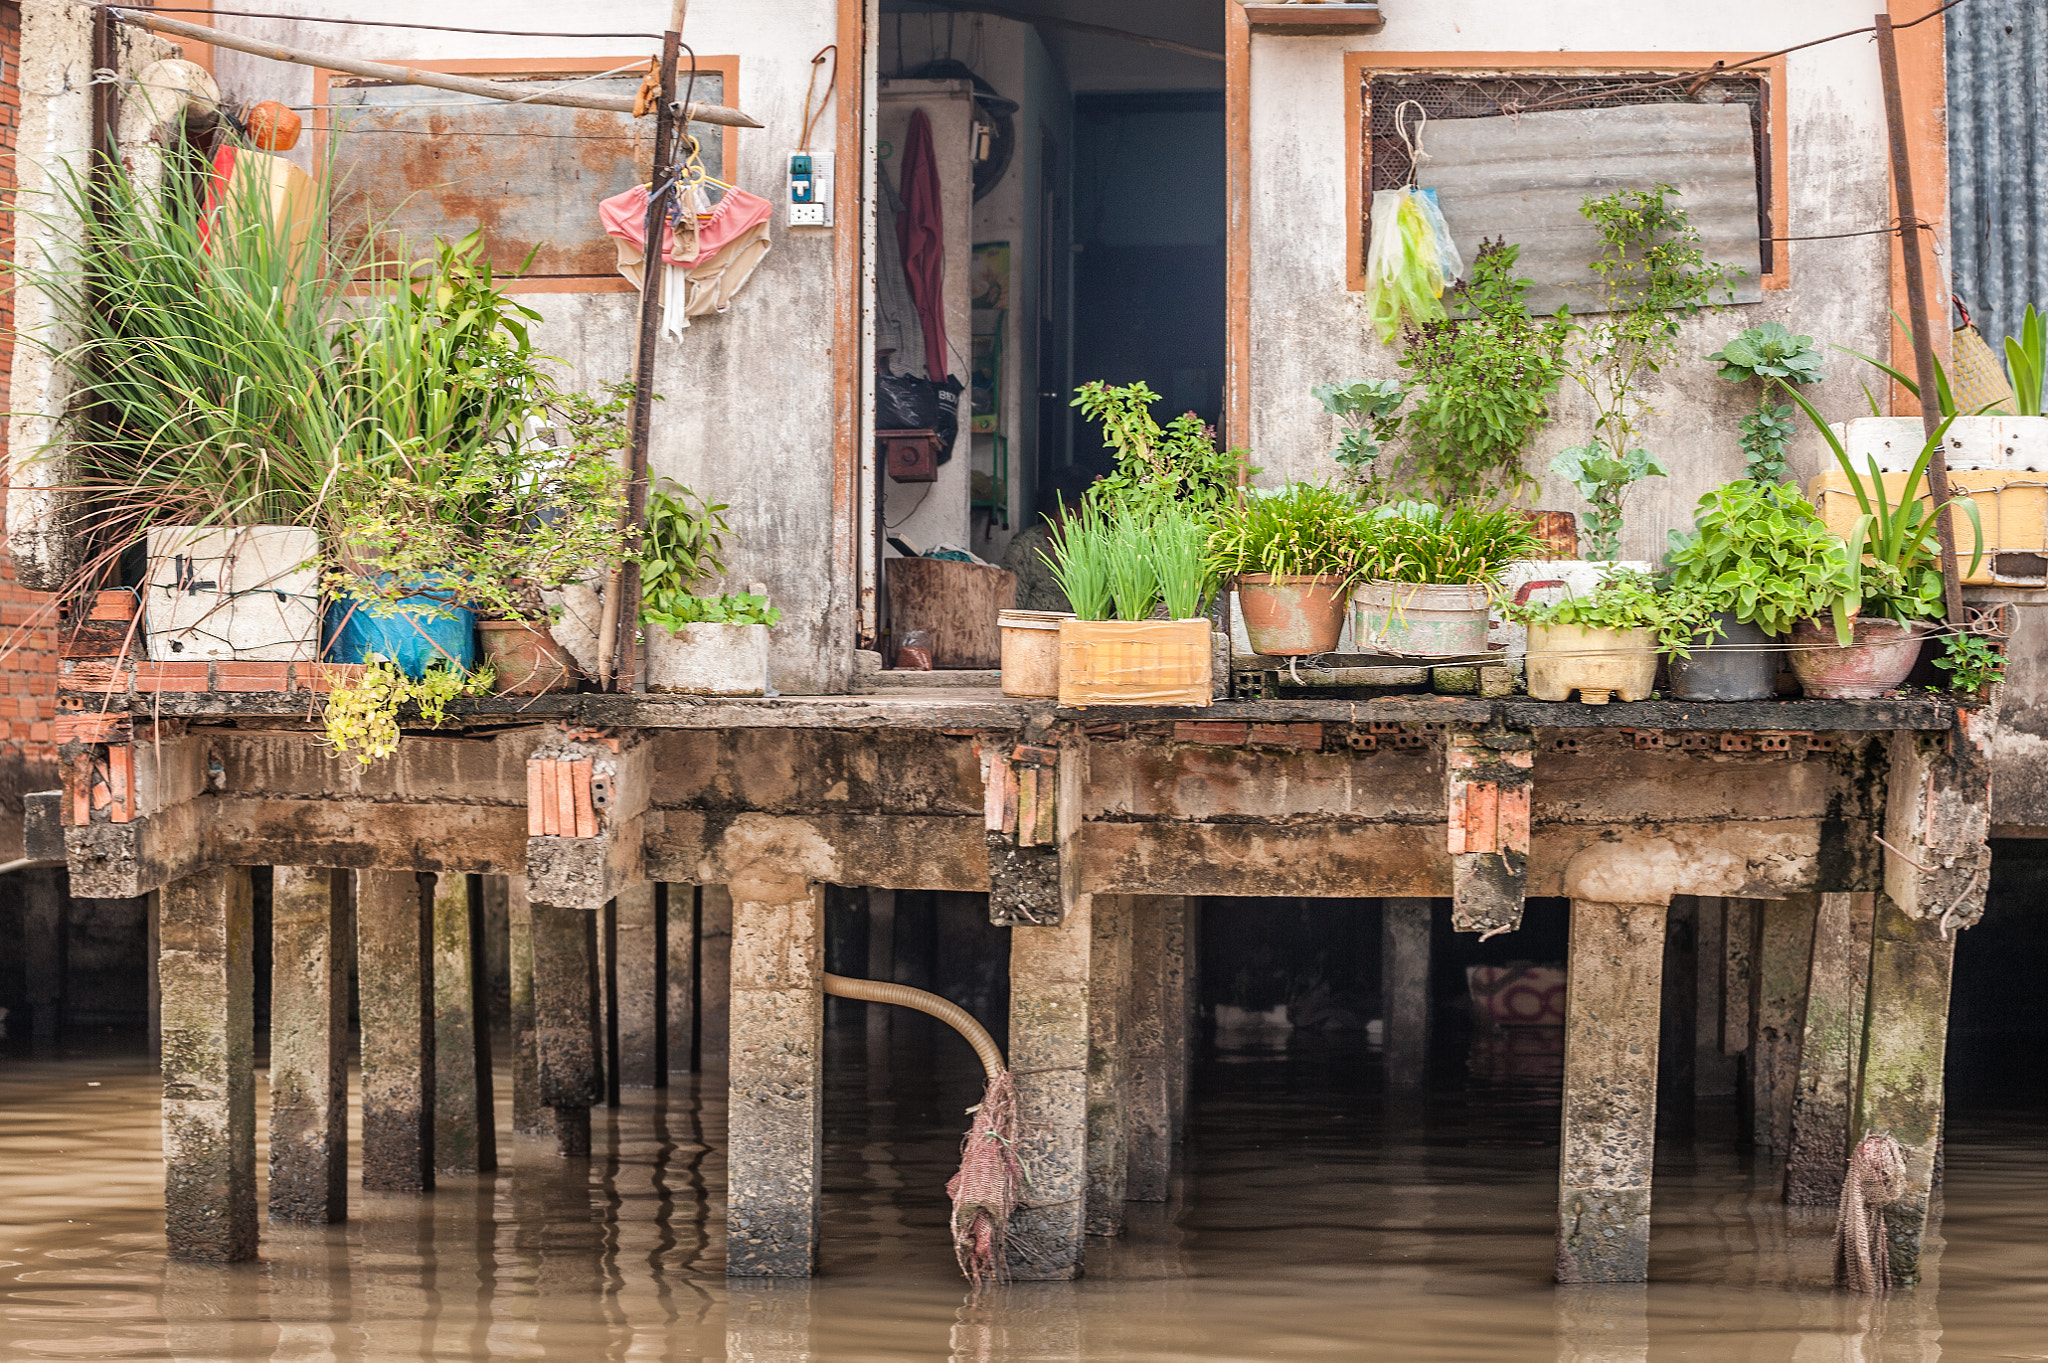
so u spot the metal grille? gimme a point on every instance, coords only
(1443, 96)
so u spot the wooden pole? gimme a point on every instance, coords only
(1920, 325)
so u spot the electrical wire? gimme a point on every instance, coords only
(811, 119)
(369, 23)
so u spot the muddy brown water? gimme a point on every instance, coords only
(1311, 1221)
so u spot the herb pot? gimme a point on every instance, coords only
(1031, 651)
(1291, 614)
(1599, 664)
(1421, 619)
(527, 659)
(1135, 662)
(1740, 664)
(1882, 653)
(708, 660)
(418, 632)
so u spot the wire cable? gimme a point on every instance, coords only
(375, 23)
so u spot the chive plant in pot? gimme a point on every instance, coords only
(700, 645)
(1118, 563)
(1433, 574)
(1601, 645)
(1293, 554)
(1739, 580)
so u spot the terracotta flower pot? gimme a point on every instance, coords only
(1291, 614)
(528, 660)
(1882, 653)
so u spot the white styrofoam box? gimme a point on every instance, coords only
(1579, 576)
(246, 593)
(1973, 442)
(709, 660)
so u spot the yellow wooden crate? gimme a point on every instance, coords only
(2012, 504)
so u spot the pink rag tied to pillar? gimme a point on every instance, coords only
(921, 236)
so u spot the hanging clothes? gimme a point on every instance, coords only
(728, 244)
(899, 334)
(921, 237)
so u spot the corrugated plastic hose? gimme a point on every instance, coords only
(991, 1178)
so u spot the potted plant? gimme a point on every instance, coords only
(702, 645)
(1293, 554)
(1601, 645)
(1433, 574)
(1773, 354)
(1118, 563)
(1738, 582)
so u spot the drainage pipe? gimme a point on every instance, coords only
(903, 996)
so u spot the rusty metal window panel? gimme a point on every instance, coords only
(423, 163)
(1447, 96)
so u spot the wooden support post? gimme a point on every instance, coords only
(395, 992)
(530, 1116)
(568, 1031)
(639, 964)
(1109, 1003)
(465, 1134)
(209, 1067)
(1488, 777)
(775, 1104)
(1049, 1038)
(1404, 989)
(1158, 1036)
(1613, 983)
(1783, 957)
(42, 931)
(680, 981)
(1905, 1042)
(1831, 1051)
(714, 976)
(309, 954)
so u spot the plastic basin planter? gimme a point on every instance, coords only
(1421, 619)
(1599, 664)
(421, 631)
(1291, 615)
(1882, 653)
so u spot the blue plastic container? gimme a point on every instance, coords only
(427, 629)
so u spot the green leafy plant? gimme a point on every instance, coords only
(2026, 363)
(1484, 377)
(1133, 572)
(685, 536)
(1156, 465)
(1649, 277)
(1421, 542)
(1972, 663)
(361, 714)
(736, 608)
(1370, 410)
(1305, 529)
(1118, 562)
(1757, 550)
(1774, 355)
(1079, 560)
(1187, 581)
(1623, 599)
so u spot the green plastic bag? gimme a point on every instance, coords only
(1410, 262)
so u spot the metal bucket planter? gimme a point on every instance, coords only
(1291, 614)
(709, 660)
(1599, 664)
(1420, 619)
(1740, 664)
(1883, 653)
(526, 658)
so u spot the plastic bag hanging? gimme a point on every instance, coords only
(1411, 259)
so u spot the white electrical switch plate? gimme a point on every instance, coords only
(810, 189)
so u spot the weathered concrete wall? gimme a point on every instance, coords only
(1307, 327)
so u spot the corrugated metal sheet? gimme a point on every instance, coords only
(1998, 159)
(1525, 177)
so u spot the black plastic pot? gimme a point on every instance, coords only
(1742, 664)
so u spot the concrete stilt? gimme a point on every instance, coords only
(881, 966)
(497, 948)
(775, 1109)
(1613, 983)
(1109, 1003)
(155, 1024)
(1049, 1039)
(1905, 1042)
(568, 1034)
(530, 1116)
(1158, 1036)
(680, 979)
(309, 944)
(465, 1134)
(1713, 1068)
(1404, 988)
(1782, 960)
(714, 976)
(1675, 1077)
(608, 998)
(1184, 1046)
(1738, 943)
(640, 967)
(42, 932)
(395, 993)
(209, 1067)
(1828, 1056)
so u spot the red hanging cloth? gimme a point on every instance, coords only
(921, 236)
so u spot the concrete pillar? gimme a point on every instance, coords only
(680, 979)
(1781, 961)
(1404, 988)
(1109, 1002)
(1680, 1005)
(497, 950)
(530, 1117)
(465, 1129)
(641, 964)
(881, 966)
(568, 1030)
(1905, 1042)
(714, 976)
(1830, 1052)
(42, 933)
(1713, 1068)
(209, 1067)
(1614, 981)
(1049, 1038)
(1158, 1038)
(775, 1103)
(1183, 1073)
(395, 993)
(155, 1024)
(309, 944)
(1738, 942)
(608, 998)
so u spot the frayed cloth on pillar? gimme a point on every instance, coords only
(1876, 1180)
(985, 1190)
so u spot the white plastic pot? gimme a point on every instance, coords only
(709, 660)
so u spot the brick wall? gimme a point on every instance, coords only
(28, 644)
